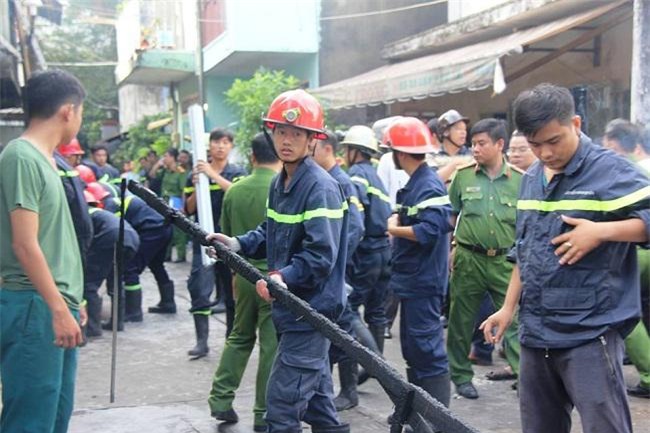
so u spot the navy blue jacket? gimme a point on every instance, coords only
(564, 306)
(106, 228)
(375, 201)
(141, 217)
(231, 172)
(355, 223)
(420, 269)
(304, 238)
(74, 193)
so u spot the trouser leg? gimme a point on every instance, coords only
(268, 343)
(200, 283)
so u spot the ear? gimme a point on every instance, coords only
(67, 111)
(500, 143)
(576, 121)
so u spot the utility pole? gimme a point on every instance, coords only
(640, 88)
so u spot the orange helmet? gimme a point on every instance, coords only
(90, 198)
(409, 135)
(97, 191)
(299, 109)
(86, 173)
(72, 148)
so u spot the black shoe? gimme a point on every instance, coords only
(218, 308)
(259, 427)
(467, 390)
(639, 391)
(163, 308)
(229, 416)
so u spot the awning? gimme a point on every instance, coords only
(474, 67)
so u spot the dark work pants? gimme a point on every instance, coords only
(200, 283)
(422, 336)
(151, 254)
(369, 277)
(589, 377)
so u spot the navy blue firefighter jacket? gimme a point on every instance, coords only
(375, 201)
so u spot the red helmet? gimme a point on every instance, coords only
(409, 135)
(299, 109)
(86, 173)
(72, 148)
(89, 196)
(98, 191)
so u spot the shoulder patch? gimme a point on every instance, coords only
(515, 168)
(468, 165)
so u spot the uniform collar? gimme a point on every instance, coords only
(303, 167)
(262, 171)
(505, 169)
(578, 158)
(421, 171)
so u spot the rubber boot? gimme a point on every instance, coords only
(348, 397)
(202, 327)
(438, 387)
(167, 305)
(363, 335)
(341, 428)
(94, 310)
(133, 306)
(377, 332)
(108, 326)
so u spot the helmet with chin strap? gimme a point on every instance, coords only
(299, 109)
(447, 120)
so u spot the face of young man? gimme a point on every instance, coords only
(457, 133)
(100, 157)
(291, 144)
(183, 158)
(613, 145)
(73, 160)
(321, 153)
(485, 151)
(555, 144)
(220, 149)
(168, 160)
(519, 153)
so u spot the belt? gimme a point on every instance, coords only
(490, 252)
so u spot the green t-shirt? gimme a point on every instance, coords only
(244, 206)
(29, 181)
(173, 183)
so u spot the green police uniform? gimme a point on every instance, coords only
(485, 232)
(172, 184)
(244, 208)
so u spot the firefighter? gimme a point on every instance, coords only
(99, 262)
(305, 240)
(420, 267)
(155, 235)
(370, 263)
(71, 152)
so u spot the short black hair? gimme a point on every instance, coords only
(494, 128)
(332, 140)
(99, 147)
(173, 152)
(219, 133)
(186, 151)
(46, 91)
(263, 151)
(626, 133)
(539, 106)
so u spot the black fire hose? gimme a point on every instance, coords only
(414, 406)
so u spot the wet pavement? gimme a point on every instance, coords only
(159, 390)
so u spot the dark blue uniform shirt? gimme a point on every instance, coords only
(231, 172)
(304, 238)
(141, 217)
(375, 201)
(564, 306)
(420, 269)
(355, 223)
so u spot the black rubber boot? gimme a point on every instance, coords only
(377, 332)
(167, 305)
(94, 310)
(348, 397)
(364, 336)
(202, 327)
(133, 306)
(438, 387)
(108, 326)
(341, 428)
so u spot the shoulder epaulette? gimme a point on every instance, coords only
(468, 165)
(515, 168)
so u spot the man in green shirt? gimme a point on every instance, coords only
(173, 180)
(244, 208)
(40, 266)
(484, 199)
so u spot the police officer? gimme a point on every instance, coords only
(325, 156)
(155, 235)
(99, 262)
(484, 198)
(305, 240)
(452, 134)
(420, 233)
(581, 210)
(370, 270)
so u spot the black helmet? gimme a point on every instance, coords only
(447, 119)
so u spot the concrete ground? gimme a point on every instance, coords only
(159, 390)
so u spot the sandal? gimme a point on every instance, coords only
(503, 374)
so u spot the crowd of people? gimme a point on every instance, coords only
(532, 239)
